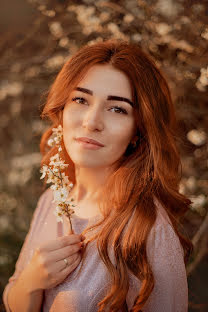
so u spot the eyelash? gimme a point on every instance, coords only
(118, 107)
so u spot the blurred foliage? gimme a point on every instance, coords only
(37, 37)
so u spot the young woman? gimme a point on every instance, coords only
(126, 191)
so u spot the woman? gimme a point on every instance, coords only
(125, 191)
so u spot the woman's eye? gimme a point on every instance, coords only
(79, 99)
(120, 110)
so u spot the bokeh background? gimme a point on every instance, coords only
(36, 38)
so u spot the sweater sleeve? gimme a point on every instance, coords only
(165, 255)
(27, 248)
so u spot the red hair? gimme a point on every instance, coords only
(150, 170)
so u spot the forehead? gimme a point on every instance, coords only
(105, 80)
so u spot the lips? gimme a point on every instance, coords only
(88, 140)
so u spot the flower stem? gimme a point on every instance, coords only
(61, 177)
(68, 215)
(53, 172)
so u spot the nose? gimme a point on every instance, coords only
(93, 118)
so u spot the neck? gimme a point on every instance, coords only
(89, 182)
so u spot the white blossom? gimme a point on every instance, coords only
(50, 142)
(44, 170)
(54, 187)
(55, 157)
(60, 195)
(61, 185)
(58, 214)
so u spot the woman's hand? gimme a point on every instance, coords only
(47, 267)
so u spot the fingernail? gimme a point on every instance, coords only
(82, 237)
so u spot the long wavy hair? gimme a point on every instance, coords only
(150, 170)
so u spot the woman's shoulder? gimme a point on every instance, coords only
(163, 234)
(46, 196)
(162, 215)
(43, 204)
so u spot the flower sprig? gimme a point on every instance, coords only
(61, 184)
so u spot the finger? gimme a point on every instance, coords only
(70, 260)
(65, 252)
(60, 268)
(61, 242)
(56, 267)
(65, 270)
(71, 231)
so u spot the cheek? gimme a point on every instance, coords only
(121, 136)
(70, 119)
(122, 132)
(68, 126)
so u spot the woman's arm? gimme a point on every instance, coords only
(18, 291)
(29, 300)
(165, 255)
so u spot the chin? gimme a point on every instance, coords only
(86, 162)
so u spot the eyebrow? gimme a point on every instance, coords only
(110, 97)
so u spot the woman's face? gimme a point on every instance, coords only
(95, 112)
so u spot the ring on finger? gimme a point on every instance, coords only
(66, 262)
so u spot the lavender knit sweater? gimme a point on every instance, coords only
(83, 293)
